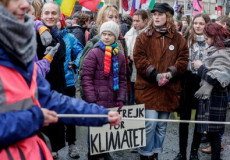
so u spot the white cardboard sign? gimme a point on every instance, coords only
(129, 134)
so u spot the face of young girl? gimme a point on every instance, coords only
(198, 25)
(111, 16)
(159, 19)
(107, 38)
(18, 8)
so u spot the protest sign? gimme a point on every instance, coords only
(188, 7)
(129, 134)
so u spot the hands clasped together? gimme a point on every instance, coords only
(163, 78)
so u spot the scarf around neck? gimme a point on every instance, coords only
(111, 52)
(161, 29)
(196, 52)
(16, 37)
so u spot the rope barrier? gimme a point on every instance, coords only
(138, 119)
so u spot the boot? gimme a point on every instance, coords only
(194, 155)
(146, 157)
(180, 157)
(155, 156)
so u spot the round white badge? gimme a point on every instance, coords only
(171, 47)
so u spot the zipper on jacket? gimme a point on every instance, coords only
(163, 42)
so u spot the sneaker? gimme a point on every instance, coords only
(73, 151)
(54, 155)
(180, 157)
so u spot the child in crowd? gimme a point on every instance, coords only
(103, 71)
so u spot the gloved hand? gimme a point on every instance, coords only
(163, 78)
(46, 38)
(50, 52)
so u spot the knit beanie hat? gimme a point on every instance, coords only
(110, 26)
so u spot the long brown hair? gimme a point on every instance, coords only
(169, 23)
(190, 30)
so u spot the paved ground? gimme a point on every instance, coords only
(170, 145)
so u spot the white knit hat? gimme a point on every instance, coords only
(110, 26)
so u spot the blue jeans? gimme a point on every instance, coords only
(155, 133)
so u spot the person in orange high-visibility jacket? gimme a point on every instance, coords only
(26, 101)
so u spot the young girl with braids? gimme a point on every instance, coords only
(103, 71)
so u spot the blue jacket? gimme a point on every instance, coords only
(15, 126)
(73, 53)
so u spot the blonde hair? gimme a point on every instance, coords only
(103, 12)
(37, 4)
(171, 28)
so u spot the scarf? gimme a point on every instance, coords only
(196, 52)
(218, 64)
(161, 29)
(55, 33)
(111, 52)
(17, 38)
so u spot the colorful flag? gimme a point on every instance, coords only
(133, 8)
(90, 4)
(176, 6)
(125, 5)
(151, 5)
(145, 4)
(66, 6)
(101, 4)
(197, 7)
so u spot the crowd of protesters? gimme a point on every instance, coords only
(84, 65)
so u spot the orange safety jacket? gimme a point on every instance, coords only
(16, 95)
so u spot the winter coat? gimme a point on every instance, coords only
(96, 87)
(16, 126)
(56, 75)
(43, 66)
(130, 38)
(78, 32)
(73, 53)
(162, 53)
(215, 108)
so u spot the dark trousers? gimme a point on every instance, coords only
(132, 94)
(215, 145)
(56, 134)
(70, 129)
(183, 135)
(190, 85)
